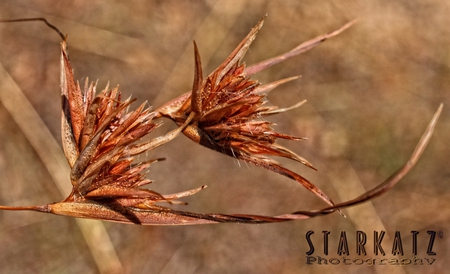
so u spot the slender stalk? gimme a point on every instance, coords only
(41, 208)
(63, 37)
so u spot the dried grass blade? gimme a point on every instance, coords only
(250, 70)
(264, 89)
(159, 141)
(280, 110)
(272, 166)
(393, 179)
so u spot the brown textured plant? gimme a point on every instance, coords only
(229, 108)
(101, 136)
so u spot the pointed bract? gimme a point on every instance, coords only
(229, 109)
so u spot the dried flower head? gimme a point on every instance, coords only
(224, 112)
(100, 139)
(229, 110)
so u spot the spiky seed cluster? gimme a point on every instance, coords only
(223, 112)
(100, 139)
(228, 108)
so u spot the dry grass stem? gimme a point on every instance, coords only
(225, 111)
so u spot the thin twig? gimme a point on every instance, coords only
(63, 37)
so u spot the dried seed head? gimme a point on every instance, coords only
(99, 132)
(229, 110)
(224, 112)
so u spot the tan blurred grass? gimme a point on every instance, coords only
(370, 91)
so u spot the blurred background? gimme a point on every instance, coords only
(371, 92)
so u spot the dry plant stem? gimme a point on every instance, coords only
(159, 141)
(398, 175)
(63, 37)
(223, 112)
(296, 51)
(165, 216)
